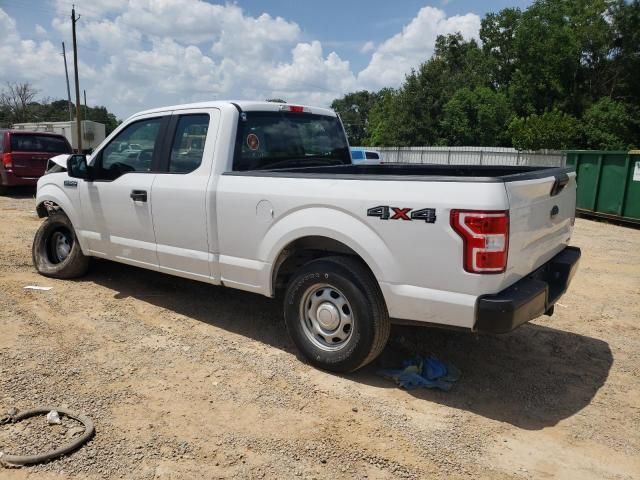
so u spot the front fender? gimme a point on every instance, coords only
(50, 190)
(334, 224)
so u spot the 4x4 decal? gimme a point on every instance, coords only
(384, 212)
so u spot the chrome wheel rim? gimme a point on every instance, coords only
(60, 246)
(327, 317)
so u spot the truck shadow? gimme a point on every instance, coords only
(531, 378)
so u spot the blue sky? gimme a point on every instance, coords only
(137, 54)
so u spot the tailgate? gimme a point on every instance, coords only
(541, 216)
(30, 152)
(30, 164)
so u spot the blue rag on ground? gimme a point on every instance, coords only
(428, 372)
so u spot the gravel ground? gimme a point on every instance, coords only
(185, 380)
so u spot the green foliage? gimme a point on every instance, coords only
(497, 33)
(560, 73)
(607, 125)
(411, 115)
(554, 130)
(354, 111)
(476, 117)
(276, 100)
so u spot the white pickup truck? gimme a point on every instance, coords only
(263, 197)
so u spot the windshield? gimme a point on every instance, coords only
(268, 140)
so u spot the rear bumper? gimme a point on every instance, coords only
(9, 179)
(528, 298)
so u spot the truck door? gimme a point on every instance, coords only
(180, 208)
(116, 205)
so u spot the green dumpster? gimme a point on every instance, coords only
(608, 183)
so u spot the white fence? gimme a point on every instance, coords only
(471, 156)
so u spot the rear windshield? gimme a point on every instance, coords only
(271, 140)
(38, 143)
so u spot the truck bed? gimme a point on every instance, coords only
(418, 172)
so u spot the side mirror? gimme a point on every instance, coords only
(77, 167)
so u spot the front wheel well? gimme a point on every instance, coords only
(302, 251)
(47, 208)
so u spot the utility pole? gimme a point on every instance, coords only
(75, 66)
(86, 116)
(66, 74)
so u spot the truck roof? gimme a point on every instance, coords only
(245, 105)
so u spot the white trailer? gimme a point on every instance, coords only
(93, 133)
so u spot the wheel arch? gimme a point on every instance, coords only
(316, 233)
(52, 199)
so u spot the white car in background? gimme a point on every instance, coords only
(364, 156)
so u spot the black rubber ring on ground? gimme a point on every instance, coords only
(20, 460)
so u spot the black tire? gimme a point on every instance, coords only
(48, 260)
(369, 323)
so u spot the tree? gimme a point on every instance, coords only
(607, 125)
(561, 72)
(553, 130)
(276, 100)
(412, 114)
(16, 99)
(354, 109)
(625, 52)
(497, 32)
(102, 115)
(17, 105)
(476, 117)
(384, 119)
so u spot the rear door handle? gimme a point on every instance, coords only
(138, 195)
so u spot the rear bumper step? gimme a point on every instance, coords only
(528, 298)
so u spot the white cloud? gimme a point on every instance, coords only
(368, 47)
(89, 8)
(40, 31)
(25, 59)
(311, 71)
(395, 57)
(138, 54)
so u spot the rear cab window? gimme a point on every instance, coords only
(26, 142)
(188, 143)
(272, 140)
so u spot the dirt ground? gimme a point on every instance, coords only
(186, 380)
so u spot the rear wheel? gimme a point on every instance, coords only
(335, 314)
(56, 252)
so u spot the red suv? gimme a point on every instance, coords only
(25, 154)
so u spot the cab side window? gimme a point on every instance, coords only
(188, 143)
(130, 151)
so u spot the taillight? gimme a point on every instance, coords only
(485, 235)
(293, 108)
(7, 160)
